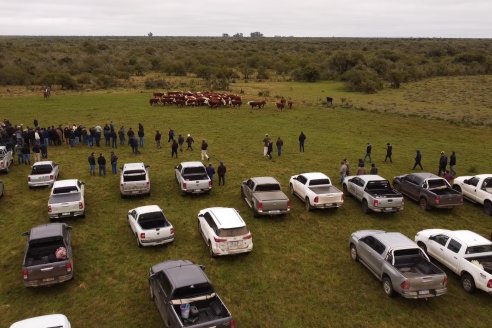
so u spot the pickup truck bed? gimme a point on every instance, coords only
(388, 193)
(324, 189)
(415, 267)
(485, 261)
(64, 198)
(209, 311)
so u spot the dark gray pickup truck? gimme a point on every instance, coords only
(48, 257)
(264, 196)
(429, 190)
(185, 296)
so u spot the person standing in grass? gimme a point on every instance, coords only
(174, 149)
(374, 169)
(270, 150)
(157, 138)
(121, 134)
(92, 164)
(114, 163)
(181, 140)
(44, 151)
(418, 160)
(389, 152)
(368, 152)
(302, 138)
(204, 150)
(141, 134)
(266, 142)
(26, 154)
(279, 145)
(114, 137)
(210, 172)
(452, 163)
(343, 170)
(189, 141)
(443, 162)
(221, 171)
(102, 164)
(18, 151)
(170, 134)
(37, 152)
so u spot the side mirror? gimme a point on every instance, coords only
(201, 215)
(25, 234)
(176, 167)
(147, 166)
(202, 267)
(432, 238)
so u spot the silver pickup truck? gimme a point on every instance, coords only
(264, 196)
(374, 192)
(192, 178)
(399, 263)
(134, 180)
(48, 256)
(66, 199)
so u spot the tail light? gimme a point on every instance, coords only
(28, 178)
(376, 203)
(121, 185)
(288, 204)
(142, 235)
(405, 284)
(172, 231)
(81, 206)
(260, 206)
(184, 185)
(489, 283)
(316, 199)
(219, 240)
(148, 183)
(49, 208)
(445, 281)
(232, 323)
(248, 236)
(438, 200)
(210, 184)
(25, 274)
(69, 267)
(51, 177)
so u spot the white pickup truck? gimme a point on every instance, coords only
(192, 178)
(134, 180)
(43, 173)
(316, 190)
(6, 159)
(477, 189)
(66, 199)
(464, 252)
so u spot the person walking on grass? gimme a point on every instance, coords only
(389, 152)
(279, 144)
(221, 171)
(26, 154)
(270, 150)
(452, 163)
(204, 150)
(157, 138)
(141, 134)
(37, 152)
(266, 142)
(302, 138)
(102, 164)
(189, 141)
(92, 164)
(174, 149)
(343, 171)
(418, 160)
(368, 152)
(170, 134)
(210, 172)
(181, 140)
(114, 163)
(443, 162)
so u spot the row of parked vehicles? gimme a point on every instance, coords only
(180, 289)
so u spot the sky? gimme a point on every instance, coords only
(300, 18)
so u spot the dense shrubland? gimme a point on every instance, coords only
(364, 64)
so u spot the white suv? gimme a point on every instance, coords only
(224, 231)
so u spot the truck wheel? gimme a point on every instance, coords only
(424, 248)
(468, 283)
(308, 205)
(388, 287)
(353, 253)
(138, 241)
(345, 190)
(423, 204)
(255, 214)
(151, 292)
(365, 207)
(487, 207)
(210, 250)
(457, 188)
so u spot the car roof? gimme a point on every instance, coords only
(226, 217)
(147, 209)
(133, 166)
(191, 164)
(470, 238)
(370, 177)
(45, 321)
(395, 240)
(182, 273)
(261, 180)
(421, 176)
(43, 163)
(314, 175)
(65, 183)
(46, 230)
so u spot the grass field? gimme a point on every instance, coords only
(300, 273)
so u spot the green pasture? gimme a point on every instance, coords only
(300, 273)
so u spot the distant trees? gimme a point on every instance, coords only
(256, 35)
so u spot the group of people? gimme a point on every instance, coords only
(101, 162)
(268, 145)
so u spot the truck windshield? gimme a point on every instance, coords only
(378, 185)
(41, 169)
(233, 232)
(65, 190)
(152, 220)
(134, 175)
(318, 182)
(479, 249)
(193, 291)
(268, 187)
(437, 184)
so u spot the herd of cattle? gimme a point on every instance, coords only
(210, 99)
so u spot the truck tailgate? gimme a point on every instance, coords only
(135, 186)
(391, 202)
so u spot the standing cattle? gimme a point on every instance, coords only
(289, 104)
(329, 101)
(46, 92)
(158, 94)
(259, 104)
(154, 101)
(280, 105)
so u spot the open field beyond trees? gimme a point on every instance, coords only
(300, 273)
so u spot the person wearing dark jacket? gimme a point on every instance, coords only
(157, 138)
(102, 165)
(374, 169)
(174, 149)
(114, 138)
(368, 152)
(37, 152)
(210, 172)
(114, 163)
(418, 160)
(92, 164)
(221, 171)
(302, 138)
(181, 141)
(279, 144)
(452, 163)
(44, 151)
(26, 154)
(189, 141)
(141, 134)
(270, 150)
(443, 162)
(170, 134)
(389, 152)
